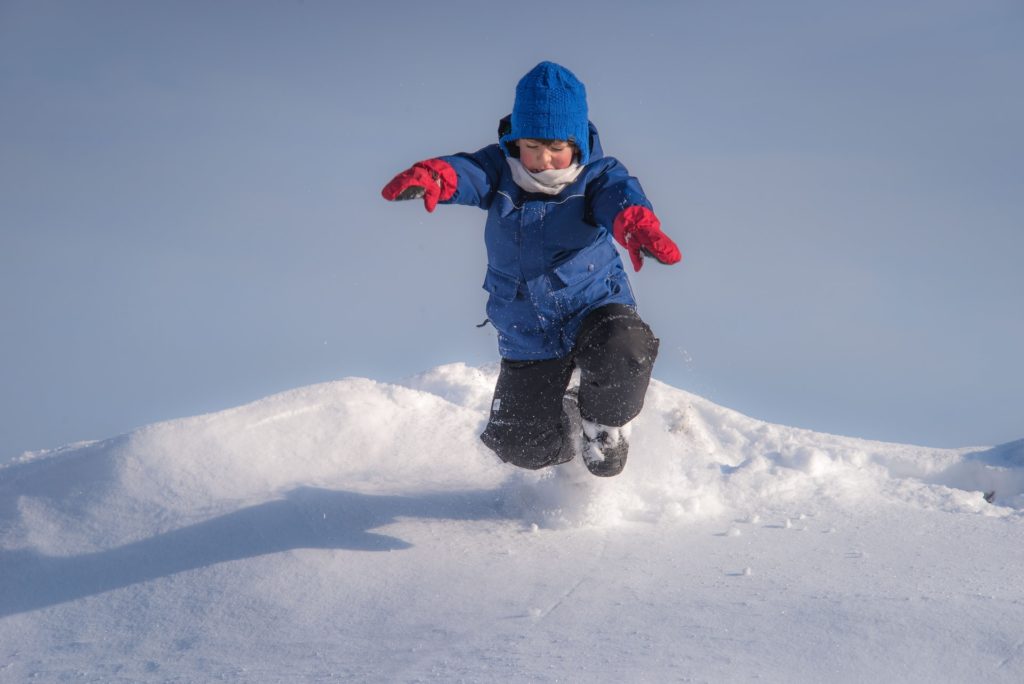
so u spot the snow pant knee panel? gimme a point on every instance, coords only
(615, 352)
(525, 426)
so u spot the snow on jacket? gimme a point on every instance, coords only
(551, 259)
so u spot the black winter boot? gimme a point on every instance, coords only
(604, 448)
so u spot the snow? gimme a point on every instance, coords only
(358, 531)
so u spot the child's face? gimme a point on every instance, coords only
(540, 155)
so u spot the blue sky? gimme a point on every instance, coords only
(191, 219)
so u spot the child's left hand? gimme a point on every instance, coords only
(639, 231)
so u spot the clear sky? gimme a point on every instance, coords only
(190, 214)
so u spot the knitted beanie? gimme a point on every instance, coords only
(551, 104)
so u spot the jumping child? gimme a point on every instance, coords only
(559, 295)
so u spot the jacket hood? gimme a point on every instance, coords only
(505, 129)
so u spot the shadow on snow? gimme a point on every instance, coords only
(307, 518)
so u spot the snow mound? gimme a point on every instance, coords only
(689, 459)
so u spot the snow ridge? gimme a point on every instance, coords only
(690, 458)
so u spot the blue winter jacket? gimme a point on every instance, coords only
(551, 258)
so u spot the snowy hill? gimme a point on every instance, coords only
(356, 530)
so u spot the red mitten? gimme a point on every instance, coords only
(639, 231)
(433, 180)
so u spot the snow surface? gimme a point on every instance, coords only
(357, 530)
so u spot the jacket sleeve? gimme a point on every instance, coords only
(611, 192)
(478, 175)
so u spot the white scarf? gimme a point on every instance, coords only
(550, 182)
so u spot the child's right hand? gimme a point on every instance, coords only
(433, 180)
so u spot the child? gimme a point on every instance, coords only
(559, 296)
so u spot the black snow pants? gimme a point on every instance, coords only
(615, 352)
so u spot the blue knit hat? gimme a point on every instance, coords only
(551, 104)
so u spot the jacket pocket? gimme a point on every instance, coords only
(590, 261)
(501, 285)
(592, 278)
(520, 332)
